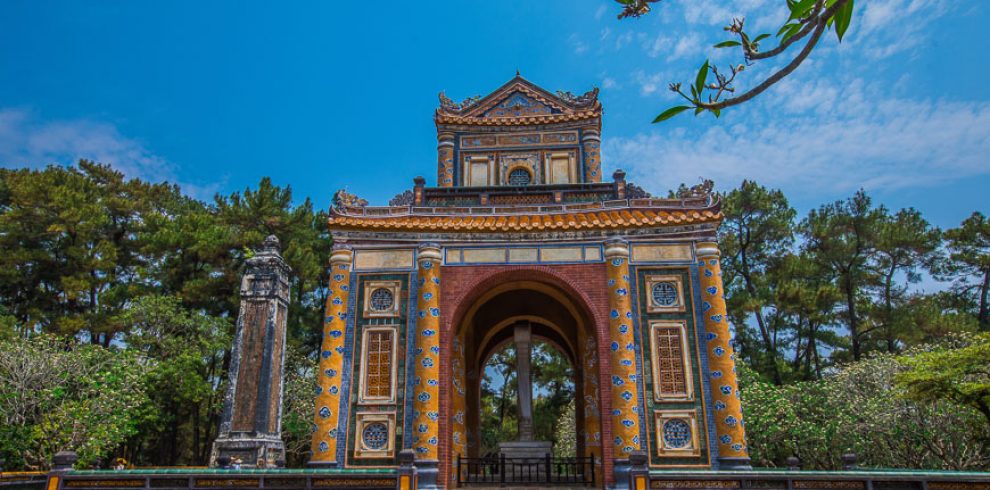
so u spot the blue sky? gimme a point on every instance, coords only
(216, 95)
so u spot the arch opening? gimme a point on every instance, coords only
(559, 328)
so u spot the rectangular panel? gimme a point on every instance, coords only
(672, 378)
(660, 253)
(383, 259)
(453, 255)
(252, 350)
(478, 174)
(561, 254)
(592, 253)
(523, 255)
(483, 255)
(560, 170)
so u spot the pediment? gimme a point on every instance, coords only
(519, 98)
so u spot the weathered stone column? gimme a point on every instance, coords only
(524, 387)
(324, 446)
(426, 356)
(625, 386)
(251, 424)
(445, 160)
(591, 143)
(732, 450)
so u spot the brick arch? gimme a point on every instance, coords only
(584, 285)
(544, 274)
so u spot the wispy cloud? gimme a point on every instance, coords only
(580, 47)
(649, 83)
(820, 149)
(27, 141)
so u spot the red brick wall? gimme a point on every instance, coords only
(584, 284)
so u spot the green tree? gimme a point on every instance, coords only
(181, 349)
(72, 239)
(959, 374)
(58, 394)
(758, 228)
(905, 243)
(841, 237)
(969, 264)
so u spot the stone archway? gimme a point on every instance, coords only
(487, 316)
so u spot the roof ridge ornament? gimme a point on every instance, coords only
(584, 100)
(342, 199)
(448, 104)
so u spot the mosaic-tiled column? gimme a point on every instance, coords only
(445, 160)
(622, 349)
(426, 356)
(591, 143)
(732, 450)
(332, 360)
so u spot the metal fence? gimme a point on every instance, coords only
(499, 470)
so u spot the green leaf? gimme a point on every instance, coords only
(727, 44)
(669, 113)
(843, 17)
(785, 28)
(801, 8)
(717, 112)
(699, 110)
(761, 37)
(794, 29)
(699, 82)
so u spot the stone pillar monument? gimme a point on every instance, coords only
(732, 451)
(523, 337)
(251, 424)
(524, 446)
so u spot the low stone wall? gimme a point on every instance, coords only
(22, 480)
(174, 479)
(819, 480)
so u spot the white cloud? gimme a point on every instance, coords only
(649, 84)
(609, 82)
(580, 47)
(887, 27)
(881, 144)
(26, 141)
(600, 12)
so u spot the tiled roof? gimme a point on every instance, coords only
(619, 218)
(442, 118)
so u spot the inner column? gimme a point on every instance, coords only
(524, 447)
(523, 339)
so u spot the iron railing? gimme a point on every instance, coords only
(502, 471)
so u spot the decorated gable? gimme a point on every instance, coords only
(518, 104)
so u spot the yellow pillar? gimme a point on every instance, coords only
(445, 160)
(426, 355)
(622, 350)
(591, 147)
(324, 444)
(732, 450)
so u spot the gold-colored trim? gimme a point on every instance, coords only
(651, 307)
(681, 325)
(660, 416)
(362, 420)
(363, 398)
(395, 287)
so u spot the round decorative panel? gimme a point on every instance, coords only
(677, 434)
(375, 436)
(519, 176)
(664, 294)
(382, 299)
